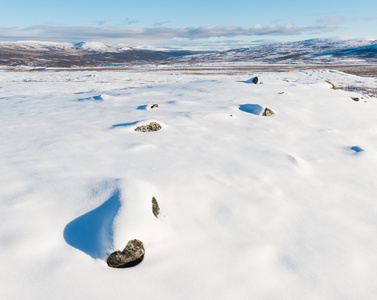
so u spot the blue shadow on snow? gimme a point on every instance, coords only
(142, 107)
(93, 233)
(357, 149)
(254, 109)
(124, 124)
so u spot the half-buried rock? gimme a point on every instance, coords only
(267, 112)
(132, 255)
(155, 207)
(152, 126)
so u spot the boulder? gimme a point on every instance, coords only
(152, 126)
(267, 112)
(132, 255)
(355, 98)
(154, 106)
(155, 207)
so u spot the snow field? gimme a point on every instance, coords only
(252, 207)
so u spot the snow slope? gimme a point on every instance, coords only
(321, 51)
(95, 46)
(252, 207)
(36, 45)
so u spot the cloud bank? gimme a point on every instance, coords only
(153, 35)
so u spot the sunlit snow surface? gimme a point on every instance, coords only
(252, 207)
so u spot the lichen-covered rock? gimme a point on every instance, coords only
(152, 126)
(155, 207)
(132, 255)
(267, 112)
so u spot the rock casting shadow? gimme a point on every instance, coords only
(254, 109)
(92, 233)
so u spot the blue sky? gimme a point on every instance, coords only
(187, 24)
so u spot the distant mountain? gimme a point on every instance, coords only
(84, 54)
(95, 47)
(314, 51)
(96, 54)
(366, 52)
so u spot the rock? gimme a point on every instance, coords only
(154, 106)
(254, 80)
(267, 112)
(132, 255)
(152, 126)
(355, 98)
(155, 207)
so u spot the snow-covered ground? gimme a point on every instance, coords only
(252, 207)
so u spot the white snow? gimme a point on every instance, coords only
(252, 207)
(36, 45)
(95, 46)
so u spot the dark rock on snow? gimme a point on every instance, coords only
(267, 112)
(154, 106)
(132, 255)
(155, 207)
(254, 80)
(152, 126)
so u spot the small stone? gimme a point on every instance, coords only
(254, 80)
(154, 106)
(132, 255)
(155, 207)
(355, 98)
(267, 112)
(152, 126)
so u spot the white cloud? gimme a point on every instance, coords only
(334, 21)
(157, 35)
(257, 26)
(289, 26)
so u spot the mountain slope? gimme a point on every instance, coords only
(308, 51)
(84, 54)
(95, 54)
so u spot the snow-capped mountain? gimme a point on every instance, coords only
(35, 45)
(308, 51)
(95, 47)
(369, 51)
(95, 54)
(84, 54)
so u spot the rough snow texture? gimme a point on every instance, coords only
(254, 208)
